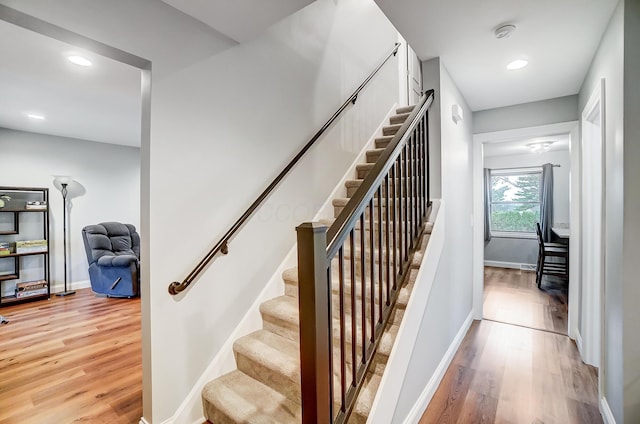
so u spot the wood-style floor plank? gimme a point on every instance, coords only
(512, 296)
(504, 373)
(74, 359)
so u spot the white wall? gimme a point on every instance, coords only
(631, 289)
(524, 250)
(431, 80)
(608, 64)
(450, 300)
(106, 188)
(559, 109)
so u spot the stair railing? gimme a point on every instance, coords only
(350, 274)
(222, 246)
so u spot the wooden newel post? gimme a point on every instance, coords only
(315, 324)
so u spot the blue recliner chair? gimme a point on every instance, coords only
(113, 253)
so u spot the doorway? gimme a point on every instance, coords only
(514, 204)
(522, 266)
(26, 22)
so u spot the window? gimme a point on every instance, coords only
(515, 201)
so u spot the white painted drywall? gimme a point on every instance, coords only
(550, 111)
(608, 64)
(106, 187)
(631, 249)
(524, 250)
(431, 81)
(450, 301)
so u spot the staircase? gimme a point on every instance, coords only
(265, 387)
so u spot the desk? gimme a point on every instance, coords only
(561, 232)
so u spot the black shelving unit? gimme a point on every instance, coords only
(17, 207)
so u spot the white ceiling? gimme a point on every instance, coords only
(519, 147)
(240, 20)
(98, 103)
(558, 37)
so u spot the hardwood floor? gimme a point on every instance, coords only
(512, 296)
(509, 374)
(71, 360)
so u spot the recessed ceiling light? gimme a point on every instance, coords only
(79, 60)
(517, 64)
(36, 116)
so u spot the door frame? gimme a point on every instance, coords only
(590, 338)
(479, 140)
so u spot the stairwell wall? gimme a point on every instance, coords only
(225, 119)
(450, 301)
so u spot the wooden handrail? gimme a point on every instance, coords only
(222, 246)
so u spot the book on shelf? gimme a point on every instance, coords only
(29, 293)
(4, 252)
(31, 246)
(37, 205)
(30, 285)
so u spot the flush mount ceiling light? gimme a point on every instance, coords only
(517, 64)
(504, 31)
(540, 146)
(79, 60)
(36, 116)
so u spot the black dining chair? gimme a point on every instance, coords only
(548, 255)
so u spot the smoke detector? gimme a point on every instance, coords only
(504, 31)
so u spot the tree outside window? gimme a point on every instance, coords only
(515, 201)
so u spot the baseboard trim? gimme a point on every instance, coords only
(425, 397)
(511, 265)
(143, 421)
(75, 285)
(605, 411)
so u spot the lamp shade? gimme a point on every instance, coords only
(63, 179)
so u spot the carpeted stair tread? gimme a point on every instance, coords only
(271, 359)
(383, 142)
(391, 129)
(232, 399)
(363, 169)
(365, 399)
(374, 154)
(405, 109)
(399, 118)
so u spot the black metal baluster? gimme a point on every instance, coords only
(380, 258)
(388, 252)
(352, 265)
(343, 361)
(394, 195)
(372, 265)
(405, 192)
(363, 281)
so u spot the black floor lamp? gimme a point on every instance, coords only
(64, 182)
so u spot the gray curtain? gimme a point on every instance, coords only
(546, 201)
(487, 204)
